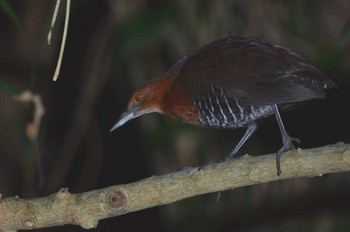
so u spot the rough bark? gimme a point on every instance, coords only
(86, 209)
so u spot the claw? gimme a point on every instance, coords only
(296, 140)
(206, 165)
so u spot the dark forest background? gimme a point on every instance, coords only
(114, 46)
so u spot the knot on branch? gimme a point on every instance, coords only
(30, 223)
(116, 201)
(62, 193)
(26, 218)
(346, 156)
(86, 222)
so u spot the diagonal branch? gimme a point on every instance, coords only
(86, 209)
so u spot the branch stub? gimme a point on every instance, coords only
(116, 200)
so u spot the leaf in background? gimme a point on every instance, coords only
(145, 29)
(6, 87)
(11, 13)
(328, 59)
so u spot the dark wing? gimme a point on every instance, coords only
(251, 70)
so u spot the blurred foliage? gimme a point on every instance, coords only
(112, 47)
(141, 31)
(7, 9)
(328, 59)
(6, 87)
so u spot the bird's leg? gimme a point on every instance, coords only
(286, 139)
(251, 128)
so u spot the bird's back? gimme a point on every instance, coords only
(253, 71)
(238, 79)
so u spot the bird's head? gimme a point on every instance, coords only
(146, 99)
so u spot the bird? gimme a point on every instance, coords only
(232, 83)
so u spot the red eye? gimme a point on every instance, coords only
(138, 97)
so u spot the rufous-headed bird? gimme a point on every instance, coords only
(231, 83)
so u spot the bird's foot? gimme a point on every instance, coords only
(188, 169)
(287, 145)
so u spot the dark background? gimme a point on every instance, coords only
(114, 46)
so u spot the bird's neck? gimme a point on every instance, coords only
(175, 102)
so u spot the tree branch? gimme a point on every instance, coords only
(86, 209)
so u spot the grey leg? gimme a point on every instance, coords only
(286, 140)
(251, 128)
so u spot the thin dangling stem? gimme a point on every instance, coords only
(65, 30)
(53, 21)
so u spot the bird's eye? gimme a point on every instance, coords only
(138, 97)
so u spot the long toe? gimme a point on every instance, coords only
(187, 168)
(204, 166)
(297, 140)
(229, 157)
(287, 145)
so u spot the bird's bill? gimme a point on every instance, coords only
(125, 117)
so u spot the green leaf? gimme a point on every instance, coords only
(7, 88)
(10, 13)
(328, 59)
